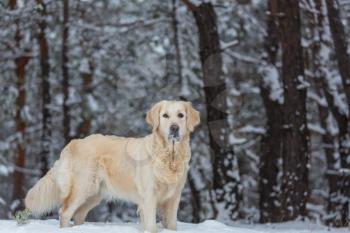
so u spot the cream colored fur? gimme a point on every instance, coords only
(44, 196)
(149, 171)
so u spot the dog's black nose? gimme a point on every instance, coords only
(174, 128)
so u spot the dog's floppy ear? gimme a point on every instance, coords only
(152, 117)
(193, 117)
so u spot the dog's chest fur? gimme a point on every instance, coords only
(170, 163)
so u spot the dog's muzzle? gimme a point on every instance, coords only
(174, 133)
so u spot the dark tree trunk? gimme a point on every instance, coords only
(295, 132)
(86, 75)
(176, 42)
(196, 200)
(18, 176)
(65, 74)
(343, 59)
(45, 88)
(272, 142)
(85, 126)
(226, 180)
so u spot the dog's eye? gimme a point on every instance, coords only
(180, 115)
(165, 115)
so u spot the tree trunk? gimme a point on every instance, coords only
(45, 88)
(196, 200)
(18, 176)
(65, 74)
(295, 132)
(334, 206)
(328, 144)
(85, 126)
(272, 142)
(340, 45)
(336, 182)
(176, 42)
(343, 59)
(226, 179)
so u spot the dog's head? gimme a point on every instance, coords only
(173, 119)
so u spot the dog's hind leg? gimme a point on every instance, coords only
(70, 205)
(81, 213)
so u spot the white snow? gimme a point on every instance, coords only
(234, 140)
(226, 45)
(4, 170)
(93, 104)
(209, 226)
(252, 129)
(2, 202)
(272, 81)
(317, 128)
(84, 66)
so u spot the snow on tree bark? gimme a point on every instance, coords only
(177, 42)
(65, 72)
(321, 83)
(86, 70)
(340, 45)
(269, 202)
(226, 179)
(20, 61)
(45, 89)
(295, 132)
(343, 59)
(86, 76)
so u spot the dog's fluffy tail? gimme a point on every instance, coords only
(44, 196)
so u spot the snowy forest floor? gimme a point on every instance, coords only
(209, 226)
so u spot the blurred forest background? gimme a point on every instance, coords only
(270, 78)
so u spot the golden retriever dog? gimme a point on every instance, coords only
(149, 171)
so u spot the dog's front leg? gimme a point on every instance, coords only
(148, 215)
(169, 212)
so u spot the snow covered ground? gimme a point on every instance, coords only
(209, 226)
